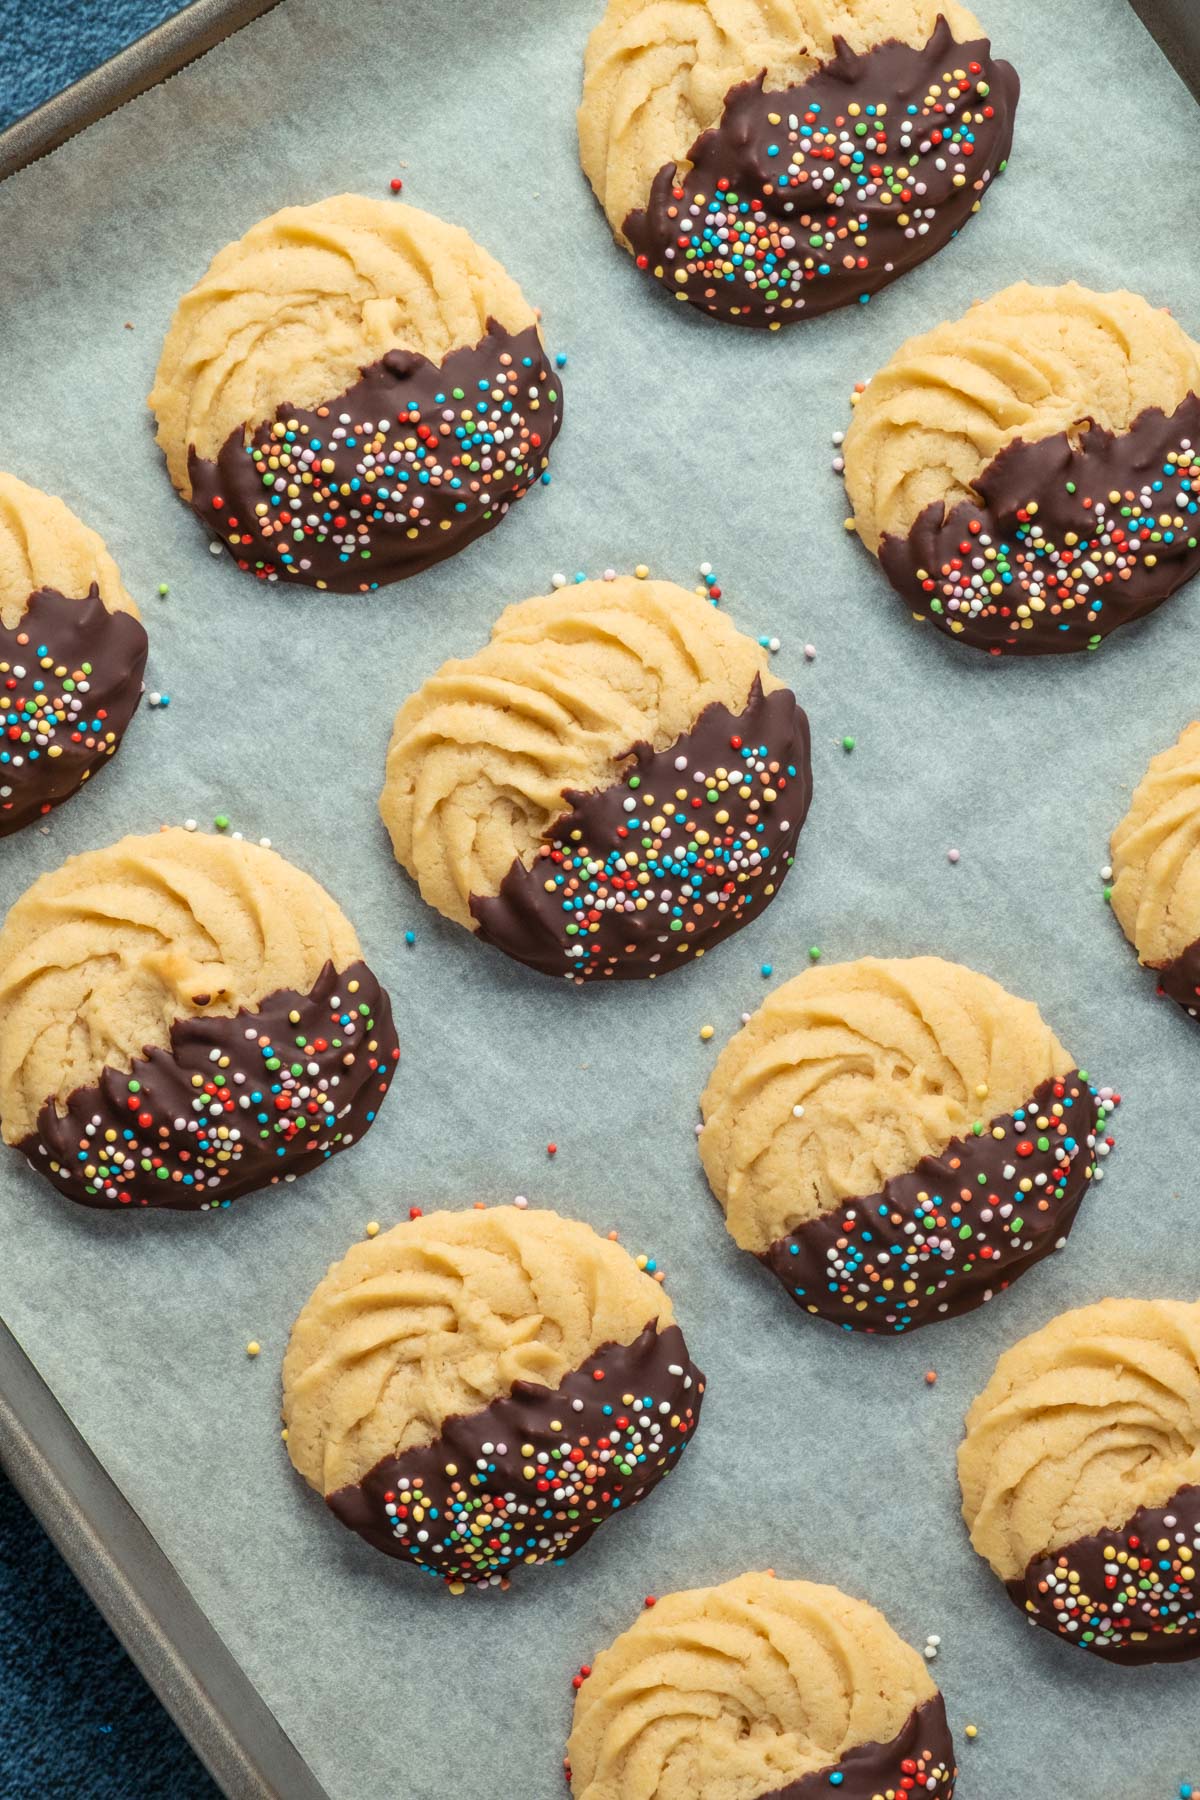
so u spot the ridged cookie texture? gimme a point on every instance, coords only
(182, 1019)
(72, 652)
(760, 1689)
(354, 391)
(1080, 1475)
(1156, 870)
(769, 160)
(610, 787)
(898, 1140)
(1029, 475)
(477, 1391)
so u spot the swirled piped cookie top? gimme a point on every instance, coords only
(1029, 475)
(1080, 1475)
(898, 1140)
(184, 1018)
(760, 1689)
(769, 160)
(72, 652)
(611, 786)
(1156, 869)
(474, 1391)
(354, 391)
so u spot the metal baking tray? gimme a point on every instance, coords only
(90, 1520)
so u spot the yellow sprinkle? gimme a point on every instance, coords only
(972, 1731)
(849, 525)
(253, 1347)
(706, 1032)
(373, 1228)
(641, 571)
(283, 1434)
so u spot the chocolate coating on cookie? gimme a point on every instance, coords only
(530, 1477)
(819, 195)
(234, 1104)
(70, 681)
(1179, 979)
(635, 880)
(408, 466)
(1071, 537)
(920, 1758)
(944, 1238)
(1132, 1595)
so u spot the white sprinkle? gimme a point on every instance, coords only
(797, 1112)
(1106, 872)
(215, 549)
(265, 843)
(773, 645)
(189, 824)
(558, 580)
(521, 1201)
(706, 568)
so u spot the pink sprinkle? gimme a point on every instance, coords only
(810, 651)
(952, 856)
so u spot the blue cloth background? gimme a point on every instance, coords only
(48, 45)
(75, 1716)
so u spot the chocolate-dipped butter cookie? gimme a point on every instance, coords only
(1156, 870)
(1029, 475)
(354, 391)
(1080, 1475)
(760, 1689)
(899, 1140)
(770, 160)
(476, 1391)
(72, 652)
(613, 785)
(183, 1019)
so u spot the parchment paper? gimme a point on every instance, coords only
(819, 1454)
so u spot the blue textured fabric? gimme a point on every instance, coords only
(76, 1718)
(46, 45)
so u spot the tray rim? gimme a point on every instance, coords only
(149, 60)
(129, 1577)
(104, 1541)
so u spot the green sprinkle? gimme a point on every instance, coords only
(848, 743)
(814, 953)
(163, 589)
(222, 821)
